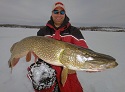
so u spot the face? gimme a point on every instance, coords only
(58, 16)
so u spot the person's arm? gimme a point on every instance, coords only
(41, 32)
(78, 38)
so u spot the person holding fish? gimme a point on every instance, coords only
(46, 77)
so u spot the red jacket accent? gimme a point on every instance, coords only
(57, 31)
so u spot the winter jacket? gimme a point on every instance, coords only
(67, 33)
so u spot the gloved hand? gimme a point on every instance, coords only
(42, 75)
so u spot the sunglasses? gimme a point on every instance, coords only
(62, 12)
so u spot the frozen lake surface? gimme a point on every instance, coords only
(111, 43)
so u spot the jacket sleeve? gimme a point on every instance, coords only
(78, 38)
(41, 32)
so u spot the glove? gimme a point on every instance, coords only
(41, 75)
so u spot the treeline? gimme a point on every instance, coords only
(95, 28)
(19, 26)
(108, 29)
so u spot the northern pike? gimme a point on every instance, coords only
(60, 53)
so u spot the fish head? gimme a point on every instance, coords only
(99, 65)
(86, 60)
(94, 61)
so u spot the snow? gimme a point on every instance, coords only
(111, 43)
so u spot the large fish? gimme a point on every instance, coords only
(60, 53)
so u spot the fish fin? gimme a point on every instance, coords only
(64, 75)
(13, 62)
(28, 56)
(71, 71)
(36, 57)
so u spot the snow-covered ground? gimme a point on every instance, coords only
(112, 80)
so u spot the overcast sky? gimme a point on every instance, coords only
(80, 12)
